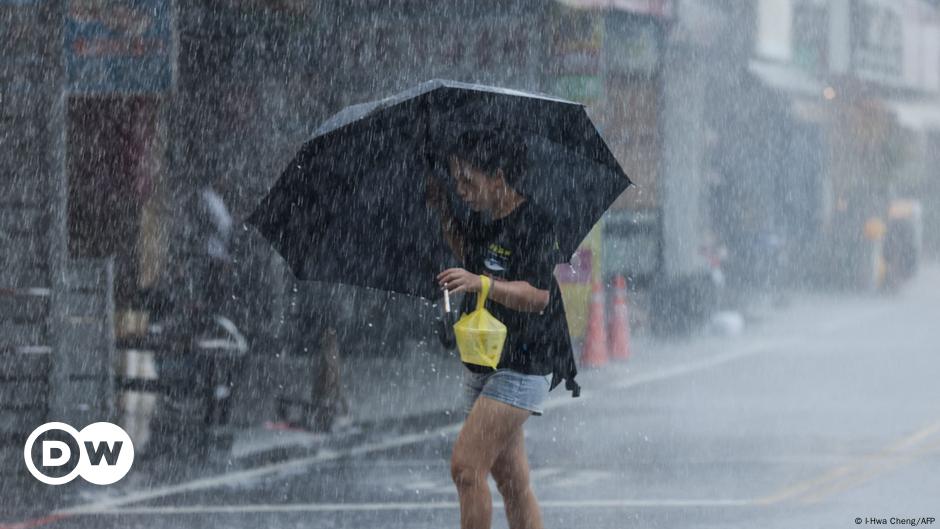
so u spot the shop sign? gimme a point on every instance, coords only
(575, 55)
(119, 46)
(632, 46)
(878, 40)
(657, 8)
(810, 30)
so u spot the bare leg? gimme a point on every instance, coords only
(485, 434)
(511, 472)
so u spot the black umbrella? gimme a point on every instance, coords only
(350, 207)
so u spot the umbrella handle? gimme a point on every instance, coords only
(446, 301)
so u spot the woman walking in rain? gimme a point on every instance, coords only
(511, 241)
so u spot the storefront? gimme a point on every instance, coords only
(610, 58)
(886, 57)
(630, 120)
(120, 63)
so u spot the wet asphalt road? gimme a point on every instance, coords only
(826, 412)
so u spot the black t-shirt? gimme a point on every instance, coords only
(518, 247)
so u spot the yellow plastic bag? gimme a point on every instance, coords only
(480, 336)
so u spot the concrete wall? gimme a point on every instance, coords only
(32, 230)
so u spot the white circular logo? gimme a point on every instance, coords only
(102, 453)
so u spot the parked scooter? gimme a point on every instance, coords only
(201, 348)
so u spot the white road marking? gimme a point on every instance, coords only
(537, 474)
(700, 365)
(406, 506)
(578, 478)
(568, 478)
(232, 478)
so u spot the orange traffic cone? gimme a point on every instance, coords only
(620, 323)
(594, 353)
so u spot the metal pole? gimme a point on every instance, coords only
(55, 99)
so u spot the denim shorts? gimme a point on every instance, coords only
(507, 386)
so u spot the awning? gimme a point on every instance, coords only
(658, 8)
(917, 115)
(786, 78)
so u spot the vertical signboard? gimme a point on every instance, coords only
(632, 45)
(878, 40)
(774, 30)
(895, 42)
(575, 54)
(810, 36)
(119, 46)
(922, 45)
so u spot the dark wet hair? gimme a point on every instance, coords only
(493, 149)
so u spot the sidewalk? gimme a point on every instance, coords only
(420, 384)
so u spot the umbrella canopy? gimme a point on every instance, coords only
(350, 207)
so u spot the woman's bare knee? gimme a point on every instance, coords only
(465, 472)
(511, 476)
(511, 486)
